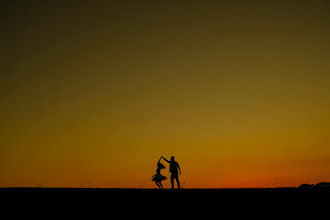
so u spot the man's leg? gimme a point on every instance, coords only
(172, 180)
(178, 182)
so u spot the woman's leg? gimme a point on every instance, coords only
(158, 185)
(161, 186)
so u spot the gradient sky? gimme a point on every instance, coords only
(237, 91)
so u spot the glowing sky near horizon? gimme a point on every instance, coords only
(98, 90)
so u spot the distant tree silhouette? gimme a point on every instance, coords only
(321, 184)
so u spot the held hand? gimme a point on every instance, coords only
(180, 172)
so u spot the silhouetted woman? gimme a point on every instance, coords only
(158, 178)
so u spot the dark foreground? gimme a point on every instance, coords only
(83, 200)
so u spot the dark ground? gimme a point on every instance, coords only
(151, 201)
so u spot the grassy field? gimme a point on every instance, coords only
(154, 197)
(98, 203)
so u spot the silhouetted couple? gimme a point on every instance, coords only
(174, 167)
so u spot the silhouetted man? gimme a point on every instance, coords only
(174, 166)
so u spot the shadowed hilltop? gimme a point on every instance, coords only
(185, 203)
(166, 197)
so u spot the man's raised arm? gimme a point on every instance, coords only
(166, 160)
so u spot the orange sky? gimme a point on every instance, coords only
(237, 92)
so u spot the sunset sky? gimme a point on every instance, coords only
(94, 92)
